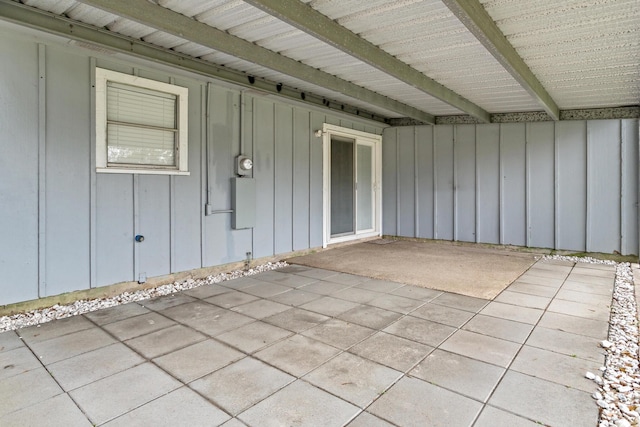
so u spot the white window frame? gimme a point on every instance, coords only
(182, 101)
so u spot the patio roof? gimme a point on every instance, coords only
(379, 59)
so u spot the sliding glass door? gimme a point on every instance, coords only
(351, 185)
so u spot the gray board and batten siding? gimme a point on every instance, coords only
(569, 185)
(64, 227)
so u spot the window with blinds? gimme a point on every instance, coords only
(141, 125)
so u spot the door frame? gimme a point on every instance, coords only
(376, 140)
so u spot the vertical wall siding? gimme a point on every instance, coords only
(65, 227)
(564, 185)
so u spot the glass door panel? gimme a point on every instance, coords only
(342, 186)
(364, 192)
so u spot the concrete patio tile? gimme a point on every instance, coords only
(324, 287)
(231, 299)
(416, 292)
(233, 422)
(591, 280)
(139, 325)
(207, 318)
(359, 295)
(165, 341)
(597, 329)
(166, 301)
(378, 285)
(136, 386)
(289, 280)
(58, 411)
(371, 317)
(512, 312)
(65, 346)
(181, 407)
(9, 340)
(261, 308)
(338, 333)
(204, 358)
(596, 266)
(390, 350)
(17, 361)
(206, 291)
(545, 265)
(329, 306)
(494, 417)
(420, 330)
(18, 392)
(396, 303)
(588, 288)
(609, 273)
(566, 343)
(589, 311)
(270, 276)
(53, 329)
(317, 273)
(300, 404)
(481, 347)
(295, 269)
(347, 279)
(558, 368)
(97, 364)
(296, 319)
(443, 314)
(529, 289)
(295, 297)
(240, 283)
(545, 402)
(413, 402)
(365, 419)
(463, 375)
(543, 281)
(499, 328)
(241, 384)
(460, 302)
(114, 314)
(353, 378)
(547, 273)
(584, 297)
(297, 355)
(266, 289)
(254, 336)
(523, 300)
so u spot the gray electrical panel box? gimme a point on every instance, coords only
(243, 203)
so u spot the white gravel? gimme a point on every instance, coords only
(618, 382)
(43, 315)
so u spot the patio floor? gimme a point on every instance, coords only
(306, 346)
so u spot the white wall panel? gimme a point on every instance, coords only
(512, 168)
(488, 183)
(443, 175)
(540, 185)
(465, 183)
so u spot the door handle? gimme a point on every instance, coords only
(139, 238)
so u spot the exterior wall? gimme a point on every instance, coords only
(63, 227)
(565, 185)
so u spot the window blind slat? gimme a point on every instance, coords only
(124, 104)
(132, 145)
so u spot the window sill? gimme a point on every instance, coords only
(143, 171)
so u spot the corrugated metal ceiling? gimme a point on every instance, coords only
(586, 53)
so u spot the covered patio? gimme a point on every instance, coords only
(310, 346)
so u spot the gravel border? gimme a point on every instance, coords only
(618, 393)
(47, 314)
